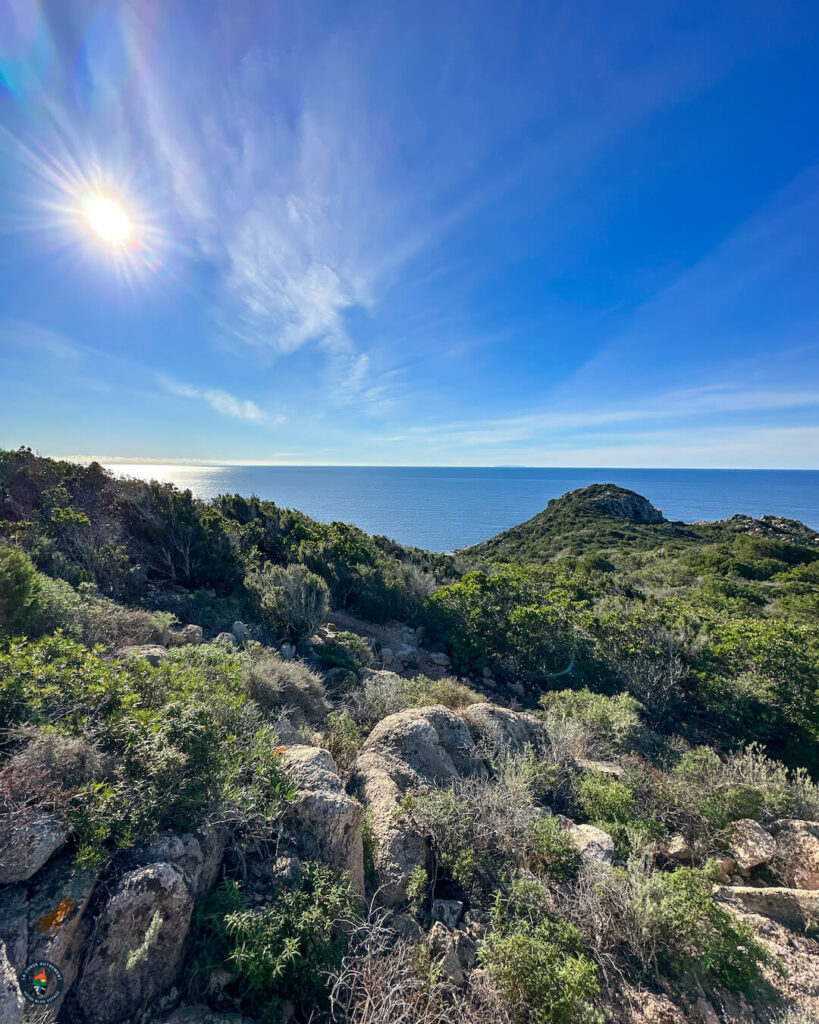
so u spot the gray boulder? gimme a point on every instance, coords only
(240, 631)
(795, 908)
(201, 1015)
(442, 946)
(14, 925)
(188, 635)
(137, 945)
(448, 912)
(198, 857)
(796, 858)
(750, 844)
(502, 731)
(152, 653)
(28, 838)
(592, 843)
(324, 820)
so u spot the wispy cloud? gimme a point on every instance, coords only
(27, 335)
(220, 401)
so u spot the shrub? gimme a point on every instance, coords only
(591, 724)
(345, 650)
(422, 692)
(730, 803)
(552, 854)
(343, 739)
(604, 798)
(19, 588)
(293, 601)
(538, 962)
(385, 693)
(277, 684)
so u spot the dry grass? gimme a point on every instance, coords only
(287, 686)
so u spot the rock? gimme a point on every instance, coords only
(516, 689)
(198, 857)
(287, 651)
(448, 912)
(486, 672)
(420, 632)
(796, 859)
(137, 946)
(288, 870)
(57, 927)
(442, 946)
(466, 949)
(602, 767)
(725, 868)
(407, 928)
(440, 659)
(226, 640)
(750, 844)
(326, 822)
(795, 908)
(386, 656)
(706, 1012)
(189, 635)
(287, 733)
(11, 998)
(28, 838)
(592, 843)
(201, 1015)
(152, 653)
(502, 731)
(240, 631)
(679, 849)
(14, 925)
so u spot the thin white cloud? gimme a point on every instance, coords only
(26, 335)
(220, 401)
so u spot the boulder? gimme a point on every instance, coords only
(592, 843)
(137, 945)
(58, 927)
(678, 848)
(325, 821)
(287, 651)
(11, 998)
(795, 908)
(466, 949)
(240, 631)
(152, 653)
(226, 640)
(448, 912)
(440, 659)
(198, 857)
(28, 838)
(501, 731)
(750, 844)
(14, 925)
(442, 946)
(796, 859)
(407, 928)
(201, 1015)
(190, 634)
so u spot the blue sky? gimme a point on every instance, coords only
(458, 233)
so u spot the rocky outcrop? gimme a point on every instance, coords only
(796, 857)
(592, 843)
(137, 945)
(27, 840)
(795, 908)
(14, 925)
(750, 844)
(324, 821)
(152, 653)
(198, 857)
(499, 730)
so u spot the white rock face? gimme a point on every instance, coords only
(27, 840)
(325, 821)
(750, 844)
(137, 945)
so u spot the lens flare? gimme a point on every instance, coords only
(107, 219)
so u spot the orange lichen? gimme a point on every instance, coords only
(56, 917)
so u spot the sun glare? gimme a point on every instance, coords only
(108, 220)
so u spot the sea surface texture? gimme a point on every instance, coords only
(442, 509)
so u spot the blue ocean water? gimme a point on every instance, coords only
(442, 509)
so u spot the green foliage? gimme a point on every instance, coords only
(293, 601)
(592, 722)
(552, 854)
(417, 888)
(421, 692)
(605, 798)
(280, 685)
(343, 739)
(369, 842)
(19, 589)
(345, 650)
(538, 961)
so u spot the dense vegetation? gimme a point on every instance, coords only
(686, 655)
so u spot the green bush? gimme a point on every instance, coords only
(345, 650)
(19, 589)
(292, 601)
(538, 962)
(552, 854)
(591, 723)
(280, 685)
(605, 798)
(421, 692)
(343, 739)
(731, 803)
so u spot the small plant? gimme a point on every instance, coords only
(345, 650)
(605, 798)
(279, 685)
(369, 841)
(417, 889)
(292, 601)
(552, 854)
(589, 723)
(422, 691)
(343, 739)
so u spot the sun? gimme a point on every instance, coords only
(108, 219)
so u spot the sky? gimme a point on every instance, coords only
(431, 233)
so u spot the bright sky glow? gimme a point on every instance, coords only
(471, 233)
(107, 219)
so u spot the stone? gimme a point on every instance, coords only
(288, 651)
(448, 912)
(325, 821)
(386, 656)
(198, 857)
(407, 928)
(516, 689)
(11, 998)
(750, 844)
(137, 946)
(592, 843)
(152, 653)
(706, 1012)
(240, 631)
(440, 659)
(501, 731)
(466, 949)
(58, 927)
(190, 635)
(201, 1015)
(795, 908)
(442, 946)
(486, 672)
(796, 859)
(678, 848)
(226, 640)
(28, 838)
(14, 925)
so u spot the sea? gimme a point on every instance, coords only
(442, 509)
